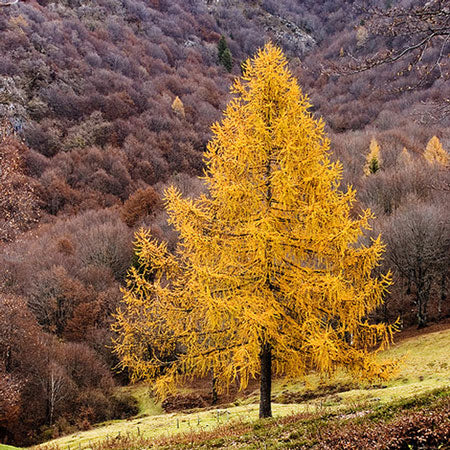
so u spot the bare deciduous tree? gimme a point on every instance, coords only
(411, 33)
(55, 388)
(418, 247)
(9, 403)
(18, 200)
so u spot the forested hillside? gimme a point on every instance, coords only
(104, 104)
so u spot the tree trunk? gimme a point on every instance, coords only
(214, 390)
(48, 403)
(421, 298)
(421, 319)
(443, 295)
(265, 405)
(422, 305)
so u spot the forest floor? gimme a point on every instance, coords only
(422, 384)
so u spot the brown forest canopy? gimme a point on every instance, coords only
(90, 87)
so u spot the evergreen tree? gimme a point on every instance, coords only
(221, 46)
(268, 277)
(224, 54)
(227, 60)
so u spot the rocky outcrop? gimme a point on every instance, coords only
(281, 28)
(8, 2)
(287, 31)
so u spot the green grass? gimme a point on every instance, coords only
(425, 368)
(7, 447)
(146, 403)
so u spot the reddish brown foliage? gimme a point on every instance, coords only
(43, 379)
(184, 402)
(18, 200)
(10, 404)
(417, 430)
(142, 203)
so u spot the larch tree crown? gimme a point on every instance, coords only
(270, 276)
(435, 153)
(373, 159)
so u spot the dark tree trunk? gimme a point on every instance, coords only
(265, 405)
(421, 319)
(48, 406)
(214, 390)
(420, 282)
(423, 296)
(443, 295)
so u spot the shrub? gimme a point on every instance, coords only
(125, 406)
(142, 203)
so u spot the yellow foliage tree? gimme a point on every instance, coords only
(178, 107)
(404, 158)
(362, 35)
(269, 276)
(373, 159)
(435, 153)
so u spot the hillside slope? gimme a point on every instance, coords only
(90, 85)
(424, 369)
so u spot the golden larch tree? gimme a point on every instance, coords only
(178, 107)
(373, 158)
(270, 275)
(404, 158)
(435, 153)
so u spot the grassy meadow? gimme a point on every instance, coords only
(424, 369)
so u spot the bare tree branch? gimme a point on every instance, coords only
(422, 27)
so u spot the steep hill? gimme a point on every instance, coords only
(90, 85)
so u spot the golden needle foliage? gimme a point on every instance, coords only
(404, 158)
(435, 153)
(373, 159)
(270, 256)
(178, 107)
